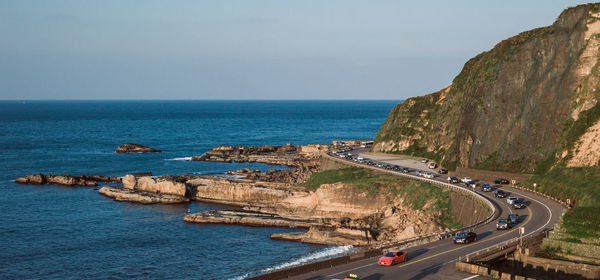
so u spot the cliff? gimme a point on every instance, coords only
(528, 104)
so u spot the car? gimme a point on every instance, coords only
(500, 194)
(503, 224)
(428, 175)
(379, 164)
(501, 181)
(360, 158)
(518, 204)
(393, 257)
(465, 179)
(513, 218)
(452, 179)
(352, 276)
(511, 199)
(472, 184)
(432, 165)
(405, 169)
(486, 188)
(465, 237)
(443, 171)
(419, 172)
(424, 160)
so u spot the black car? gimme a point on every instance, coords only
(465, 237)
(501, 181)
(452, 179)
(442, 171)
(405, 169)
(500, 194)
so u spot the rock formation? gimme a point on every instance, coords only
(121, 194)
(521, 106)
(135, 148)
(66, 180)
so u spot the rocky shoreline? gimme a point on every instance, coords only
(334, 214)
(66, 180)
(136, 148)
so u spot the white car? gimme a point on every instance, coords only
(465, 179)
(432, 165)
(511, 199)
(428, 175)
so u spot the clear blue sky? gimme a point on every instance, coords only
(122, 49)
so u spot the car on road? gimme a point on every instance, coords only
(472, 184)
(518, 204)
(393, 257)
(424, 160)
(501, 181)
(465, 237)
(405, 169)
(486, 188)
(420, 173)
(432, 165)
(452, 179)
(379, 164)
(428, 175)
(503, 224)
(465, 179)
(352, 276)
(513, 218)
(511, 199)
(443, 171)
(500, 194)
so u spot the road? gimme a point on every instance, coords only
(436, 260)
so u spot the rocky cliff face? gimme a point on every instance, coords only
(524, 105)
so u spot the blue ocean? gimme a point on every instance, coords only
(53, 232)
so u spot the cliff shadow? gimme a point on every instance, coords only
(416, 253)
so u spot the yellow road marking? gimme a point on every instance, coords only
(461, 247)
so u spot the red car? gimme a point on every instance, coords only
(392, 258)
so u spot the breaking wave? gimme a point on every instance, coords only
(313, 257)
(181, 158)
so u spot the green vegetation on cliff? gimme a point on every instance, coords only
(582, 186)
(415, 193)
(509, 108)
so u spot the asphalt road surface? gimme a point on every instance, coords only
(436, 260)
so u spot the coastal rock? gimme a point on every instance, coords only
(66, 180)
(136, 148)
(247, 219)
(129, 182)
(161, 185)
(128, 195)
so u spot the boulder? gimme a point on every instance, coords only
(161, 185)
(35, 179)
(21, 180)
(129, 182)
(136, 148)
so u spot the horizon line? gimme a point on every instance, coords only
(17, 100)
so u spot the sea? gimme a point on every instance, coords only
(57, 232)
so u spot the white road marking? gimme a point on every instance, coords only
(471, 277)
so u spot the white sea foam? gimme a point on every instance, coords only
(313, 257)
(181, 158)
(240, 277)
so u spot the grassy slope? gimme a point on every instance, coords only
(415, 193)
(580, 185)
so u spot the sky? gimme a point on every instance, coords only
(337, 49)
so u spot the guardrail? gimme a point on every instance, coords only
(506, 246)
(453, 187)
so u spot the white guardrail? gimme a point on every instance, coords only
(453, 187)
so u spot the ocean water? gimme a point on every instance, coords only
(53, 232)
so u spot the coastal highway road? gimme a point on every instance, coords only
(436, 260)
